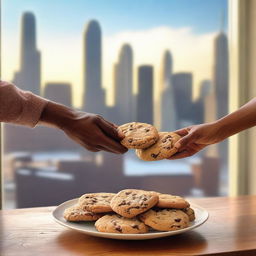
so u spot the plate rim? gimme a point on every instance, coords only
(128, 236)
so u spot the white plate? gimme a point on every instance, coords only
(89, 229)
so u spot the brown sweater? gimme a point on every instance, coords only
(19, 107)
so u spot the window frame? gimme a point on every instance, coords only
(238, 176)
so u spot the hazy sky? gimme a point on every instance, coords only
(185, 27)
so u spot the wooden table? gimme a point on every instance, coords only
(230, 230)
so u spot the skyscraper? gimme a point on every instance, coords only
(94, 94)
(182, 85)
(29, 77)
(220, 73)
(145, 94)
(220, 82)
(59, 92)
(124, 84)
(168, 111)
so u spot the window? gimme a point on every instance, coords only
(160, 62)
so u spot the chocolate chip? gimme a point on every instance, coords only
(147, 130)
(135, 226)
(128, 193)
(163, 141)
(168, 148)
(155, 155)
(177, 220)
(130, 140)
(118, 228)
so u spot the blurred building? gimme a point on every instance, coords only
(168, 110)
(123, 83)
(220, 82)
(221, 73)
(29, 76)
(59, 92)
(182, 85)
(94, 94)
(145, 94)
(199, 103)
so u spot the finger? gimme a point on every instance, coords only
(182, 154)
(112, 145)
(112, 124)
(183, 131)
(184, 141)
(109, 130)
(104, 149)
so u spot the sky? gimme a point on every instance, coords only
(186, 27)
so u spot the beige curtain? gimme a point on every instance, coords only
(242, 39)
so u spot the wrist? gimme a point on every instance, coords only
(57, 115)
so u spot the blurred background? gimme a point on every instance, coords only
(159, 62)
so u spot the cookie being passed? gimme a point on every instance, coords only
(76, 213)
(171, 201)
(165, 219)
(118, 224)
(162, 149)
(138, 135)
(131, 202)
(96, 202)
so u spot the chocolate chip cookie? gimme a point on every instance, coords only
(190, 212)
(165, 219)
(138, 135)
(96, 202)
(76, 213)
(171, 201)
(162, 149)
(131, 202)
(118, 224)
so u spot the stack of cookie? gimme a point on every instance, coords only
(150, 144)
(132, 211)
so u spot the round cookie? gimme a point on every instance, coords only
(190, 212)
(165, 219)
(118, 224)
(131, 202)
(171, 201)
(96, 202)
(76, 213)
(138, 135)
(162, 149)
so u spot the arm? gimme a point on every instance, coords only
(195, 138)
(89, 130)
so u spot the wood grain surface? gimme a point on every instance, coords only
(230, 230)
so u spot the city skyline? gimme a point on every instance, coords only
(59, 65)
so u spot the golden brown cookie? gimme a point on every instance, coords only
(131, 202)
(138, 135)
(171, 201)
(190, 212)
(117, 224)
(162, 149)
(76, 213)
(96, 202)
(165, 219)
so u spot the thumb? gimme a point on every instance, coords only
(184, 141)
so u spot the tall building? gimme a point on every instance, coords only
(168, 111)
(220, 73)
(123, 80)
(220, 82)
(182, 88)
(29, 75)
(94, 94)
(59, 92)
(145, 94)
(199, 104)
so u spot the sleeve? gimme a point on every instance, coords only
(19, 107)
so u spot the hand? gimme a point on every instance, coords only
(195, 138)
(91, 131)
